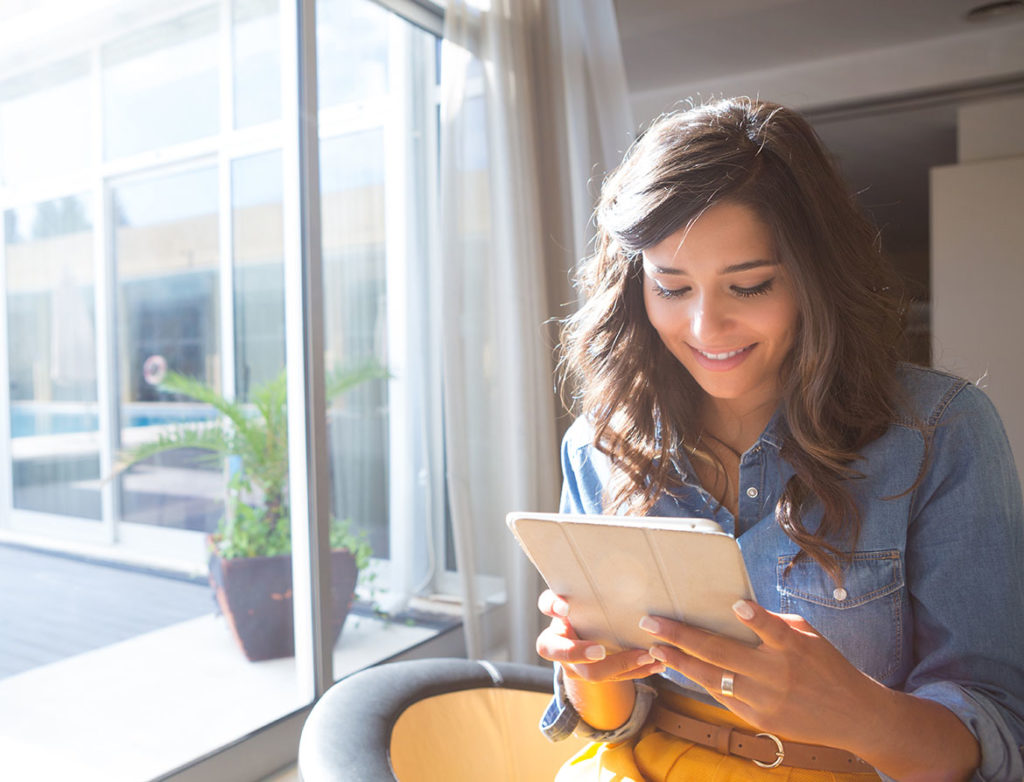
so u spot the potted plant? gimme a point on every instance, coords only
(250, 553)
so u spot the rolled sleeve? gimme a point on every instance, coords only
(561, 719)
(1000, 754)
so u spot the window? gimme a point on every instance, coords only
(45, 122)
(142, 192)
(164, 240)
(160, 84)
(51, 356)
(257, 242)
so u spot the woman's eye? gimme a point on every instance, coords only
(669, 293)
(756, 290)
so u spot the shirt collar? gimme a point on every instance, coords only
(772, 434)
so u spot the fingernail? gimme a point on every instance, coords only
(659, 669)
(649, 624)
(658, 654)
(743, 609)
(644, 659)
(561, 608)
(595, 652)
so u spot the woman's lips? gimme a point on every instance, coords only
(721, 361)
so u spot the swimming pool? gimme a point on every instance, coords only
(38, 419)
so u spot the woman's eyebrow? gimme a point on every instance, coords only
(742, 267)
(732, 269)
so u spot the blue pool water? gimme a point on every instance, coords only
(29, 423)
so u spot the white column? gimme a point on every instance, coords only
(977, 271)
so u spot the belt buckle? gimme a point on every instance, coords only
(780, 753)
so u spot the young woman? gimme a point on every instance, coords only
(736, 360)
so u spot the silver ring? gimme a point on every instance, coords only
(727, 683)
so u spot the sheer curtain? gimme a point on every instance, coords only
(526, 136)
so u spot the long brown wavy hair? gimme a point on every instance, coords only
(839, 380)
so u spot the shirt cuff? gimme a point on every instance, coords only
(561, 719)
(1000, 753)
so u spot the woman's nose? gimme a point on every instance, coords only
(708, 319)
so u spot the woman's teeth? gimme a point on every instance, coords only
(721, 356)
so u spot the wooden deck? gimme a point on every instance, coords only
(53, 607)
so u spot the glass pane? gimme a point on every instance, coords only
(479, 343)
(52, 353)
(352, 51)
(258, 239)
(45, 122)
(160, 85)
(378, 206)
(352, 185)
(165, 238)
(257, 54)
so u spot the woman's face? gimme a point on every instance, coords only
(718, 298)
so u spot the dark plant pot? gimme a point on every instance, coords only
(255, 596)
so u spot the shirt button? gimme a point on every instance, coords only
(839, 594)
(752, 492)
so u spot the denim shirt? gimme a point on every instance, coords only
(934, 594)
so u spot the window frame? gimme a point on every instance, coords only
(268, 749)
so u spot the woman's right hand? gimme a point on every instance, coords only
(585, 660)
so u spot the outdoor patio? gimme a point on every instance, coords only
(110, 673)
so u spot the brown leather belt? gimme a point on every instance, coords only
(764, 749)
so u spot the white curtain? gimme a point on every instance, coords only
(525, 141)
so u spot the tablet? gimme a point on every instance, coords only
(615, 569)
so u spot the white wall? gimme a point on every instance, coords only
(991, 130)
(977, 273)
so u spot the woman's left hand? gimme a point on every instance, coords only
(794, 683)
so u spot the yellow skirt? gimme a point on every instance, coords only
(656, 756)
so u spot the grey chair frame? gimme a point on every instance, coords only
(348, 731)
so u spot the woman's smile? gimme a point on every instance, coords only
(720, 361)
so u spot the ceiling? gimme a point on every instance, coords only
(885, 154)
(665, 42)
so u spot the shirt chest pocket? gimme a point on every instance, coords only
(864, 618)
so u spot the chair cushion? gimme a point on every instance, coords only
(485, 733)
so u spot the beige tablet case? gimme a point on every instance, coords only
(614, 569)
